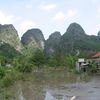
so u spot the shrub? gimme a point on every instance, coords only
(11, 77)
(2, 72)
(24, 67)
(38, 58)
(92, 66)
(8, 80)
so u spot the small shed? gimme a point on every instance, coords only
(81, 64)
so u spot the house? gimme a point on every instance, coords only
(81, 64)
(96, 58)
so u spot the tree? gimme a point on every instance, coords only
(22, 64)
(53, 61)
(71, 61)
(25, 67)
(56, 59)
(38, 58)
(16, 61)
(2, 72)
(2, 60)
(92, 66)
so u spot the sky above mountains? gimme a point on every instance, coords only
(51, 15)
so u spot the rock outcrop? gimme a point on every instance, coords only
(8, 34)
(33, 39)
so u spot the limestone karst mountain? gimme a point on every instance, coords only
(8, 34)
(33, 39)
(52, 43)
(75, 39)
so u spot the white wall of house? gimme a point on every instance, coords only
(81, 60)
(81, 64)
(77, 66)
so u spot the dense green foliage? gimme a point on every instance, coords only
(38, 58)
(7, 53)
(92, 66)
(71, 61)
(2, 72)
(11, 76)
(25, 67)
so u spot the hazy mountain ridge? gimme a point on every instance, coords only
(73, 40)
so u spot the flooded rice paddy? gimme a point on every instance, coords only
(54, 85)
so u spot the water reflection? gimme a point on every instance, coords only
(21, 97)
(78, 91)
(50, 96)
(20, 94)
(55, 86)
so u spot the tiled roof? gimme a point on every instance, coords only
(97, 54)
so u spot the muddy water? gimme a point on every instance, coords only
(55, 85)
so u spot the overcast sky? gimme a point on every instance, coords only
(51, 15)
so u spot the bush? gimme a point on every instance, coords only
(2, 72)
(8, 80)
(38, 58)
(11, 77)
(92, 66)
(24, 67)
